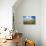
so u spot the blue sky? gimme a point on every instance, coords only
(29, 17)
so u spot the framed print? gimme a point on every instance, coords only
(29, 19)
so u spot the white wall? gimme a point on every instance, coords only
(43, 22)
(29, 8)
(6, 13)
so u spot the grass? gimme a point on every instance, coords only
(29, 22)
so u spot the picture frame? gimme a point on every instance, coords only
(29, 19)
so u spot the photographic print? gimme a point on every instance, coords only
(29, 19)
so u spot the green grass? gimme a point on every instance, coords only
(29, 22)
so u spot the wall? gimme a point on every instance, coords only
(28, 8)
(6, 13)
(43, 22)
(6, 16)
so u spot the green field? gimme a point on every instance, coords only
(29, 22)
